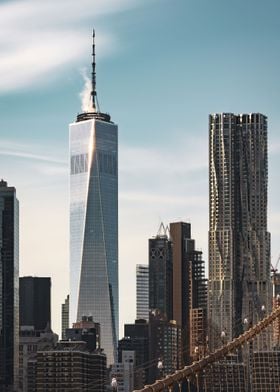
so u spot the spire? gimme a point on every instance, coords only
(93, 74)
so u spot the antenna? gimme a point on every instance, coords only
(93, 73)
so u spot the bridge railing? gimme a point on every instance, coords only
(197, 367)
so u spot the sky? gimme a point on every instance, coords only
(162, 67)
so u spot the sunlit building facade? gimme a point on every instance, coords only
(142, 292)
(239, 243)
(94, 225)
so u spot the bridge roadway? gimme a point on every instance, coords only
(195, 368)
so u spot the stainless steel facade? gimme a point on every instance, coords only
(94, 226)
(239, 243)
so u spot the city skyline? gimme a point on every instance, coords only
(34, 141)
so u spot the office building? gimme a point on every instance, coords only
(94, 221)
(137, 339)
(9, 287)
(165, 346)
(142, 292)
(227, 375)
(35, 302)
(124, 372)
(71, 366)
(266, 371)
(161, 273)
(239, 243)
(189, 291)
(64, 317)
(31, 341)
(275, 304)
(86, 330)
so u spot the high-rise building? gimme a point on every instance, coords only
(64, 317)
(226, 375)
(94, 221)
(9, 287)
(239, 243)
(86, 330)
(142, 292)
(31, 341)
(275, 304)
(35, 302)
(265, 374)
(137, 339)
(160, 273)
(189, 291)
(124, 372)
(71, 366)
(165, 346)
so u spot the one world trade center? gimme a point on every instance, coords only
(94, 220)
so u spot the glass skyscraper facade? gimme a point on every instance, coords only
(142, 292)
(94, 225)
(239, 243)
(9, 288)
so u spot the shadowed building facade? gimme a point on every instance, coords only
(161, 273)
(94, 222)
(35, 302)
(239, 243)
(9, 288)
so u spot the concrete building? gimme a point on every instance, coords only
(142, 292)
(266, 371)
(137, 339)
(71, 367)
(31, 341)
(94, 221)
(86, 330)
(9, 288)
(64, 317)
(161, 273)
(165, 346)
(228, 375)
(239, 243)
(124, 372)
(276, 303)
(35, 302)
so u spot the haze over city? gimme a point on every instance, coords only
(162, 67)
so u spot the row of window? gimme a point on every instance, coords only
(107, 163)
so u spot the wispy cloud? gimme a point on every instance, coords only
(37, 37)
(26, 151)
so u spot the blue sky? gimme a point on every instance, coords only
(162, 67)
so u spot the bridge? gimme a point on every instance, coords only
(196, 376)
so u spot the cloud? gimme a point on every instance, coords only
(26, 151)
(38, 38)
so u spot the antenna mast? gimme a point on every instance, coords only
(93, 74)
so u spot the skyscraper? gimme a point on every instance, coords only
(142, 292)
(64, 317)
(94, 221)
(189, 291)
(160, 273)
(239, 243)
(35, 302)
(9, 287)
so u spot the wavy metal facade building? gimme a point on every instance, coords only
(239, 243)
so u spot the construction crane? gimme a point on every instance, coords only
(274, 269)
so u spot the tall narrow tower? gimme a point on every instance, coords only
(239, 243)
(94, 221)
(9, 288)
